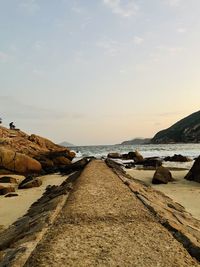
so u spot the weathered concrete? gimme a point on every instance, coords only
(104, 224)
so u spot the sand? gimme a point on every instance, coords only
(13, 208)
(186, 193)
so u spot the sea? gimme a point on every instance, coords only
(148, 150)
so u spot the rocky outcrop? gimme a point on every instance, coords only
(18, 163)
(162, 176)
(186, 130)
(194, 172)
(177, 158)
(152, 162)
(40, 149)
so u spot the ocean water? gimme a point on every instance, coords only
(150, 150)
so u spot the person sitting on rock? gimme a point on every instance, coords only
(12, 126)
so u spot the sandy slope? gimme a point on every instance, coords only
(187, 193)
(103, 224)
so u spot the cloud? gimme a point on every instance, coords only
(38, 45)
(122, 8)
(174, 3)
(138, 40)
(170, 50)
(3, 57)
(13, 109)
(111, 48)
(181, 30)
(30, 7)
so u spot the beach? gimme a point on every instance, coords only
(186, 193)
(14, 207)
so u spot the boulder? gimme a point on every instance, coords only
(17, 162)
(162, 176)
(8, 179)
(177, 158)
(150, 162)
(135, 155)
(194, 172)
(61, 161)
(114, 155)
(138, 156)
(30, 182)
(6, 189)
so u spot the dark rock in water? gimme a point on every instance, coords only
(30, 182)
(11, 195)
(114, 155)
(177, 158)
(162, 176)
(6, 189)
(129, 165)
(135, 155)
(194, 172)
(8, 179)
(150, 162)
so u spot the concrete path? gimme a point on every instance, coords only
(104, 224)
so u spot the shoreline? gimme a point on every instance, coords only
(186, 193)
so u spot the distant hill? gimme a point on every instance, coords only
(137, 141)
(66, 144)
(186, 130)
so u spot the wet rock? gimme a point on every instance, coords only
(150, 162)
(30, 182)
(11, 195)
(194, 172)
(6, 189)
(177, 158)
(162, 176)
(114, 155)
(8, 179)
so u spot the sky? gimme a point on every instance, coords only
(98, 71)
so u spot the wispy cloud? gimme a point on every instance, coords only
(38, 45)
(30, 7)
(174, 3)
(111, 47)
(181, 30)
(138, 40)
(3, 57)
(12, 108)
(122, 8)
(170, 49)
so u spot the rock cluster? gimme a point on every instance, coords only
(177, 158)
(30, 154)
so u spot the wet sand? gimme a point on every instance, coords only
(186, 193)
